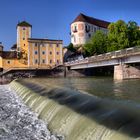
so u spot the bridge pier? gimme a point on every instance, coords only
(123, 71)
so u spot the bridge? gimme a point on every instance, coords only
(120, 59)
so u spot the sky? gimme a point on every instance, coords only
(52, 18)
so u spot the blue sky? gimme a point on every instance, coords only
(52, 18)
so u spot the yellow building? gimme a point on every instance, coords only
(44, 53)
(31, 53)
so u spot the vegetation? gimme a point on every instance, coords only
(97, 44)
(117, 36)
(121, 35)
(71, 48)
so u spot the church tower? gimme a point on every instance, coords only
(23, 33)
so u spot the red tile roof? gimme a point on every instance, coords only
(91, 20)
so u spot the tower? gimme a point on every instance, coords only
(23, 33)
(83, 27)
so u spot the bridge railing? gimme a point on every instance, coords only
(107, 56)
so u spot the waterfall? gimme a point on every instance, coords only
(80, 116)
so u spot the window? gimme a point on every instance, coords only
(35, 52)
(89, 35)
(24, 44)
(43, 61)
(75, 28)
(50, 61)
(50, 52)
(24, 28)
(43, 52)
(74, 39)
(57, 61)
(23, 38)
(57, 45)
(94, 29)
(87, 27)
(8, 62)
(36, 44)
(36, 61)
(57, 53)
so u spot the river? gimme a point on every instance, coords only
(85, 108)
(103, 87)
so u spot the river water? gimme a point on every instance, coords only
(85, 108)
(18, 122)
(103, 87)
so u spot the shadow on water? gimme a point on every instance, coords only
(117, 115)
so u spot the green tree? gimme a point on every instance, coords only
(89, 49)
(133, 33)
(71, 48)
(97, 44)
(117, 36)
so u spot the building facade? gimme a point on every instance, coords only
(31, 53)
(83, 27)
(45, 53)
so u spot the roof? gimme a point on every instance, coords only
(91, 20)
(8, 54)
(14, 47)
(24, 24)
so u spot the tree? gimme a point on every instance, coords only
(117, 36)
(120, 35)
(133, 33)
(71, 48)
(97, 44)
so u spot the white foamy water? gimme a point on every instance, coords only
(18, 122)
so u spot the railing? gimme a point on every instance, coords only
(107, 56)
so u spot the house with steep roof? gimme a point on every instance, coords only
(83, 27)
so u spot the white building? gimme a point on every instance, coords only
(83, 27)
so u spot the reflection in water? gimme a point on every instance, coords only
(101, 87)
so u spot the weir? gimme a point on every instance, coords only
(80, 116)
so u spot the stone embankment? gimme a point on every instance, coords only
(18, 122)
